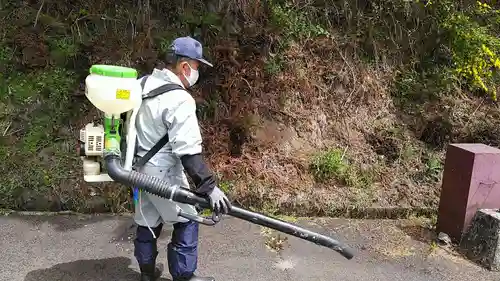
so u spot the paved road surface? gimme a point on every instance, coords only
(77, 248)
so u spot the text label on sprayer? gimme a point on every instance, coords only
(122, 94)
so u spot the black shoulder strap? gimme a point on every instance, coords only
(143, 82)
(143, 160)
(164, 140)
(160, 90)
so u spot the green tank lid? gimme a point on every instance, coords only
(113, 71)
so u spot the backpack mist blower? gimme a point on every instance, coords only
(116, 91)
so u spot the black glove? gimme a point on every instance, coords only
(219, 202)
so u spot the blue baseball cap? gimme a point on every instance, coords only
(189, 47)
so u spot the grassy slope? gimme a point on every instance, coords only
(297, 115)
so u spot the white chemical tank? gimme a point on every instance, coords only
(113, 89)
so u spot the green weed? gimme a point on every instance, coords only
(433, 168)
(274, 65)
(333, 164)
(414, 88)
(207, 109)
(65, 46)
(286, 218)
(294, 24)
(328, 165)
(6, 54)
(225, 186)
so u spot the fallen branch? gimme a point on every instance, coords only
(38, 13)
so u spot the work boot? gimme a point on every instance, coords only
(194, 278)
(150, 272)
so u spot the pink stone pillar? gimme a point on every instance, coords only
(471, 181)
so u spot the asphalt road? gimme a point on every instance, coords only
(77, 248)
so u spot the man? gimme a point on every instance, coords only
(173, 112)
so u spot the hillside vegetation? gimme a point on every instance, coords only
(312, 108)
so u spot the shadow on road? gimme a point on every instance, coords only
(65, 223)
(112, 269)
(419, 233)
(125, 232)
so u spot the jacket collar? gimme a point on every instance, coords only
(167, 75)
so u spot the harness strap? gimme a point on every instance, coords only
(164, 140)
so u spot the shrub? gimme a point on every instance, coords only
(474, 46)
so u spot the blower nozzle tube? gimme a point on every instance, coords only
(161, 188)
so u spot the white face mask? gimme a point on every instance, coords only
(193, 77)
